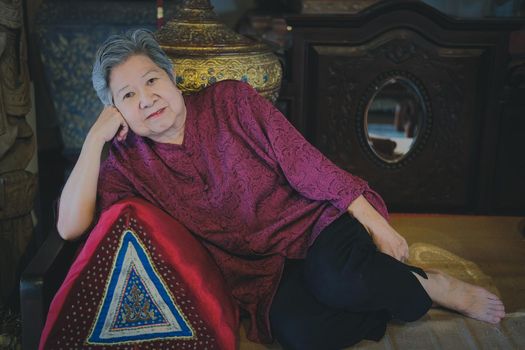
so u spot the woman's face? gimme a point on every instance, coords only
(148, 100)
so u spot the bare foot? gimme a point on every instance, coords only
(470, 300)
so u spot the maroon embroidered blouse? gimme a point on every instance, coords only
(245, 182)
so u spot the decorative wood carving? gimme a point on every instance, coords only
(17, 145)
(442, 152)
(329, 6)
(338, 63)
(509, 181)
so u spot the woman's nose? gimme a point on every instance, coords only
(147, 99)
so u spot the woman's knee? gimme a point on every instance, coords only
(334, 263)
(336, 289)
(337, 280)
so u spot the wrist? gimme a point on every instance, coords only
(367, 215)
(93, 143)
(363, 211)
(93, 139)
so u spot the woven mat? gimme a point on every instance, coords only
(441, 329)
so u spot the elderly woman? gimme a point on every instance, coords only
(305, 247)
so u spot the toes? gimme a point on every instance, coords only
(497, 307)
(492, 318)
(495, 304)
(489, 295)
(495, 320)
(496, 315)
(492, 296)
(493, 301)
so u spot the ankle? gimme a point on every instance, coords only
(442, 286)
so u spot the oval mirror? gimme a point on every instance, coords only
(393, 118)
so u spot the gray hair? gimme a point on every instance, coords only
(117, 49)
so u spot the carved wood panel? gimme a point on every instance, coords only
(509, 184)
(339, 62)
(448, 77)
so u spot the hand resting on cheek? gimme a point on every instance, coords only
(110, 123)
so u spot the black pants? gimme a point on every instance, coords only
(344, 291)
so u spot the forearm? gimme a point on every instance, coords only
(78, 198)
(366, 214)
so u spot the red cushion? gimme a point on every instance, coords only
(141, 281)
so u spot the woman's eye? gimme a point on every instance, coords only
(129, 94)
(151, 80)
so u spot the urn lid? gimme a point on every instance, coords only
(195, 30)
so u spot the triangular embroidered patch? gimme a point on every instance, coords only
(136, 304)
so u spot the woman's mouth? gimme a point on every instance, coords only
(156, 114)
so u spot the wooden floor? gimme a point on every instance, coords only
(485, 250)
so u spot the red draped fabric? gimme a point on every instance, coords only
(141, 281)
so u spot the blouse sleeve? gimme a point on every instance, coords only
(112, 186)
(307, 170)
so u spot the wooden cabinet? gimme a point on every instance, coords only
(457, 67)
(509, 173)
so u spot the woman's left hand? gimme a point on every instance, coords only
(385, 237)
(390, 242)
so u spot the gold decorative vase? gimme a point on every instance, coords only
(205, 51)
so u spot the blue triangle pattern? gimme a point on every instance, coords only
(137, 305)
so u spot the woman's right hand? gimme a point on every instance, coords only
(110, 123)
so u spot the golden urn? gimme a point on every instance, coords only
(205, 51)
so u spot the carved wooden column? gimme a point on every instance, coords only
(17, 145)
